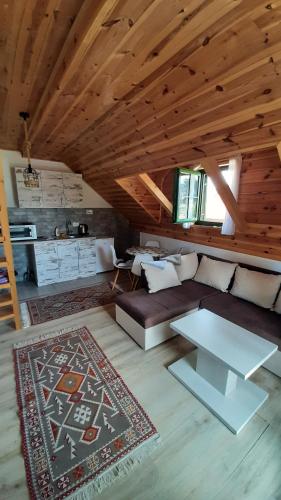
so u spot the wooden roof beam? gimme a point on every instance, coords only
(82, 35)
(156, 192)
(212, 169)
(134, 187)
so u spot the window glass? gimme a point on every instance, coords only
(187, 189)
(184, 181)
(212, 207)
(196, 198)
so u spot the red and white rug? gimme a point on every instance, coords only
(81, 426)
(42, 309)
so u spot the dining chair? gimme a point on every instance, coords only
(136, 267)
(119, 264)
(153, 244)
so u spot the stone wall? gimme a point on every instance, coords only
(103, 222)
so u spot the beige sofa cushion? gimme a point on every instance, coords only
(188, 266)
(215, 273)
(159, 278)
(256, 287)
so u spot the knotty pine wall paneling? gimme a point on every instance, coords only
(259, 200)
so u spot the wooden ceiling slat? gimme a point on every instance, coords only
(82, 35)
(119, 88)
(141, 67)
(242, 45)
(194, 85)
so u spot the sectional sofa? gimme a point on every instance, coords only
(146, 316)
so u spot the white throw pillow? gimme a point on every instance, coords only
(277, 307)
(175, 259)
(215, 273)
(259, 288)
(159, 278)
(188, 266)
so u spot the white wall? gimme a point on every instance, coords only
(174, 245)
(11, 159)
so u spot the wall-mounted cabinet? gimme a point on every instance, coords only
(55, 190)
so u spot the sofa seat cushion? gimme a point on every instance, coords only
(151, 309)
(260, 321)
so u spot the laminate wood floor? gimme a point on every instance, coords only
(199, 458)
(28, 290)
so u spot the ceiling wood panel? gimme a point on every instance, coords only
(117, 88)
(31, 38)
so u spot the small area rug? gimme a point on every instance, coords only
(56, 306)
(81, 426)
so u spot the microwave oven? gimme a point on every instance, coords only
(23, 232)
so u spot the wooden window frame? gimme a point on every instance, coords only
(198, 221)
(178, 173)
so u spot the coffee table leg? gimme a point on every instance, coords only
(216, 373)
(232, 399)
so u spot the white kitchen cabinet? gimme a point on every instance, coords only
(87, 257)
(72, 190)
(104, 255)
(46, 263)
(52, 189)
(55, 190)
(28, 197)
(57, 261)
(68, 260)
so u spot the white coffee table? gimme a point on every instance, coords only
(227, 356)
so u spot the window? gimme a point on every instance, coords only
(186, 197)
(212, 208)
(196, 198)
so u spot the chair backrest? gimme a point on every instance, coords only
(153, 244)
(114, 257)
(140, 257)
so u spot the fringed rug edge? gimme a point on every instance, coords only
(117, 471)
(51, 335)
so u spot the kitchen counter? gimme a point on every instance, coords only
(43, 240)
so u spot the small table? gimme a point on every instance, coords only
(154, 251)
(227, 356)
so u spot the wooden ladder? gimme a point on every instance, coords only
(9, 306)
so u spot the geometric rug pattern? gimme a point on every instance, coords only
(63, 304)
(80, 423)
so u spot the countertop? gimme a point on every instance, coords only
(44, 240)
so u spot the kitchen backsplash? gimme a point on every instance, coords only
(103, 222)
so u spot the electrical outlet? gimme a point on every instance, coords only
(89, 211)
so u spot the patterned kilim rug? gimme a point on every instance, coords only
(56, 306)
(81, 426)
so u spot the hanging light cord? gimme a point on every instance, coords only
(30, 175)
(27, 144)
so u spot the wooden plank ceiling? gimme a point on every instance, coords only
(123, 87)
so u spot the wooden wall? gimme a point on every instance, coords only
(259, 200)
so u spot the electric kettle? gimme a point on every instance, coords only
(83, 229)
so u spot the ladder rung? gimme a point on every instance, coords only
(6, 300)
(6, 314)
(1, 239)
(3, 262)
(4, 286)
